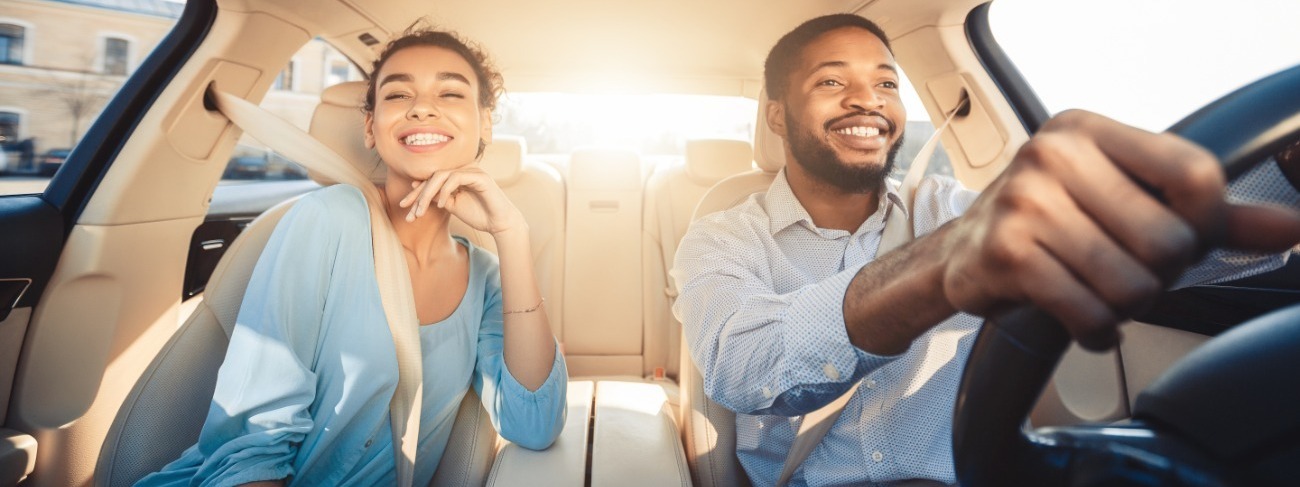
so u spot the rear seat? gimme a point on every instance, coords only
(670, 198)
(602, 276)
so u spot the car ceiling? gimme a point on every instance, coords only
(677, 46)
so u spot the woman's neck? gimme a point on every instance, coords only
(427, 239)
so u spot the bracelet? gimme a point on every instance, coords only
(529, 310)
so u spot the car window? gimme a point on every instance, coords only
(658, 125)
(1147, 63)
(55, 79)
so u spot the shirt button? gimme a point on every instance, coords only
(871, 384)
(831, 372)
(369, 442)
(877, 456)
(767, 392)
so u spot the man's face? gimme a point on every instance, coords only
(842, 117)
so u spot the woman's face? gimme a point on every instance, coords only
(427, 116)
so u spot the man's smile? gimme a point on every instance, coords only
(864, 132)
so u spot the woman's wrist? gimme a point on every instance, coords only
(513, 234)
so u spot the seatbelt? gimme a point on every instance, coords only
(898, 231)
(390, 262)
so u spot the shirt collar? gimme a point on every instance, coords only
(784, 209)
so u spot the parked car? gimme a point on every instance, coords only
(255, 163)
(52, 160)
(94, 315)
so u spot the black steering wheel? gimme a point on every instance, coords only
(1227, 414)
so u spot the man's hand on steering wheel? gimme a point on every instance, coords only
(1092, 220)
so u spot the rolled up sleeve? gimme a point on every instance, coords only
(532, 419)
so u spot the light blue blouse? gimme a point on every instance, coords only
(305, 386)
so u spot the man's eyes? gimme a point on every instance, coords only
(829, 82)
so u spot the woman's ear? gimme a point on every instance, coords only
(485, 124)
(370, 131)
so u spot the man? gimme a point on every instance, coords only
(786, 305)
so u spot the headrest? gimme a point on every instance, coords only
(503, 159)
(769, 148)
(711, 160)
(604, 169)
(339, 123)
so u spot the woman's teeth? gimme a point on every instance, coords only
(859, 131)
(425, 139)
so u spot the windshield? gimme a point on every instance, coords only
(1147, 63)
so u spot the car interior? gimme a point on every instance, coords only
(133, 266)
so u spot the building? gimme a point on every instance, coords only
(61, 61)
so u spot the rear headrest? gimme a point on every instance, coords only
(339, 124)
(711, 160)
(503, 159)
(769, 148)
(604, 169)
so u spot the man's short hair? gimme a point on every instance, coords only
(784, 57)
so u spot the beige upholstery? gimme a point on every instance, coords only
(635, 441)
(165, 410)
(538, 191)
(670, 198)
(339, 124)
(602, 276)
(708, 429)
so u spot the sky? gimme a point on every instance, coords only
(1145, 62)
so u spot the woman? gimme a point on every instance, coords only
(303, 394)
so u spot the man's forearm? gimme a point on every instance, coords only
(897, 297)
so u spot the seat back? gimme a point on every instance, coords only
(671, 195)
(165, 410)
(602, 277)
(708, 428)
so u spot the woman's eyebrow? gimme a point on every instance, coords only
(395, 77)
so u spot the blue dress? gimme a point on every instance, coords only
(306, 382)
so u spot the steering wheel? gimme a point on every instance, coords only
(1223, 415)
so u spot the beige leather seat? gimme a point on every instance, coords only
(708, 429)
(671, 195)
(165, 410)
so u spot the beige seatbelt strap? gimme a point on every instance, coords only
(898, 231)
(390, 262)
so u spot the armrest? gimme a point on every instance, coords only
(635, 441)
(564, 463)
(17, 456)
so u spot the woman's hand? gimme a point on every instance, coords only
(467, 193)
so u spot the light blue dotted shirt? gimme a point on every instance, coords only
(761, 304)
(306, 382)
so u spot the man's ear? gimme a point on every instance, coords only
(775, 111)
(370, 131)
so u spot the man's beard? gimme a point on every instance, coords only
(815, 155)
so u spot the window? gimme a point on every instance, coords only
(10, 126)
(11, 43)
(116, 54)
(284, 81)
(338, 70)
(47, 106)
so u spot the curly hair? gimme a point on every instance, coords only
(490, 83)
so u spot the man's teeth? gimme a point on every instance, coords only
(859, 131)
(425, 139)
